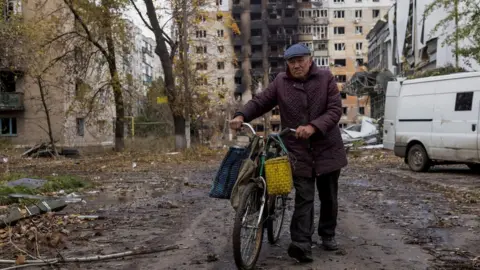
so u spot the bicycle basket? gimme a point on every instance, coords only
(227, 173)
(278, 174)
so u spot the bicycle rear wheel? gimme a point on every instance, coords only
(276, 217)
(247, 236)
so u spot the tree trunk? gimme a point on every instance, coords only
(246, 47)
(162, 51)
(117, 88)
(265, 64)
(179, 123)
(47, 114)
(186, 73)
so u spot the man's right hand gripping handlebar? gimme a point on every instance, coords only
(237, 122)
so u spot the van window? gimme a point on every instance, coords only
(464, 101)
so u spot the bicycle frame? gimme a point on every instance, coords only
(272, 138)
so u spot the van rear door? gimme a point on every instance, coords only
(390, 118)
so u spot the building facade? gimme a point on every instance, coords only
(350, 21)
(335, 31)
(140, 66)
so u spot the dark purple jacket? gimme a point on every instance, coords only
(315, 101)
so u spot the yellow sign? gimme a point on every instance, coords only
(162, 100)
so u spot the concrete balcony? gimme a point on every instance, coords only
(256, 24)
(315, 21)
(323, 53)
(10, 60)
(11, 101)
(256, 8)
(256, 40)
(257, 55)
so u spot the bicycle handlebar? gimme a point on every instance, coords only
(250, 127)
(286, 131)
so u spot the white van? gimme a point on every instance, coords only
(434, 120)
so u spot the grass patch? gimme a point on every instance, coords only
(68, 183)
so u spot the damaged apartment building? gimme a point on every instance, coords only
(334, 30)
(23, 120)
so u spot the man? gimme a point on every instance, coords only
(310, 102)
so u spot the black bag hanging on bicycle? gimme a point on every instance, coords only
(228, 172)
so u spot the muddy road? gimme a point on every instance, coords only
(390, 218)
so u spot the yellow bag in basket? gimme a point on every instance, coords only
(278, 174)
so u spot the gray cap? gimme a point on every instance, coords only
(296, 50)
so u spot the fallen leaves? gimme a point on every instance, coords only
(20, 259)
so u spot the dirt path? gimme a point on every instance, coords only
(389, 219)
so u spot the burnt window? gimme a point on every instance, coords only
(464, 101)
(255, 16)
(238, 80)
(340, 62)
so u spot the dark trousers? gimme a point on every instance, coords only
(302, 226)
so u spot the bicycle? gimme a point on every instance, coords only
(254, 198)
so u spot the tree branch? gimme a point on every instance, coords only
(141, 16)
(85, 28)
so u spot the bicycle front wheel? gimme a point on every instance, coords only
(247, 235)
(276, 218)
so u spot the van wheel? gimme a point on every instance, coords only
(418, 160)
(474, 167)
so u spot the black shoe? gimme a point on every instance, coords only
(329, 243)
(300, 255)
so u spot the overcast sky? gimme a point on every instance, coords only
(133, 15)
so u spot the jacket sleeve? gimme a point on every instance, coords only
(260, 104)
(330, 118)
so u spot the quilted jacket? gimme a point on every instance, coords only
(315, 101)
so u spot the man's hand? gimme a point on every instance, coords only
(236, 123)
(304, 132)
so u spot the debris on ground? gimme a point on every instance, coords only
(19, 213)
(27, 182)
(366, 132)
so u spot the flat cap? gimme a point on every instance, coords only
(296, 50)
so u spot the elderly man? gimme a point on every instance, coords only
(310, 102)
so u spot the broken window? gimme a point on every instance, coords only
(220, 65)
(358, 30)
(221, 49)
(375, 13)
(238, 80)
(221, 81)
(339, 30)
(340, 62)
(220, 33)
(359, 46)
(464, 101)
(343, 95)
(80, 127)
(7, 81)
(8, 126)
(255, 16)
(361, 110)
(345, 110)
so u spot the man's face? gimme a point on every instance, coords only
(299, 66)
